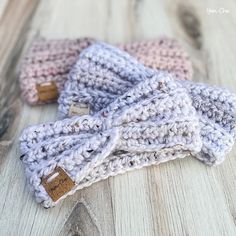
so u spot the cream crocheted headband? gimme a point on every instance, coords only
(151, 123)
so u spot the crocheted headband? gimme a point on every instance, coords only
(104, 72)
(47, 64)
(45, 67)
(151, 123)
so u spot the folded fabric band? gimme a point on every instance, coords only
(104, 72)
(47, 64)
(45, 68)
(151, 123)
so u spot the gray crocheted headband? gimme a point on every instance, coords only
(151, 123)
(104, 72)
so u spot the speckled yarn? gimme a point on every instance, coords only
(104, 72)
(51, 60)
(162, 54)
(151, 123)
(48, 61)
(216, 108)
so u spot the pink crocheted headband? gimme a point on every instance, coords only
(48, 62)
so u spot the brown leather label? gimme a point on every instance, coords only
(47, 91)
(79, 109)
(57, 184)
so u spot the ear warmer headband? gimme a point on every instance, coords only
(104, 72)
(45, 67)
(48, 62)
(151, 123)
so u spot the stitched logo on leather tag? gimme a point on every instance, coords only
(57, 184)
(79, 109)
(47, 91)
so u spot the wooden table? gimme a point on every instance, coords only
(182, 197)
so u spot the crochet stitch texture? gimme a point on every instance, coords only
(104, 72)
(50, 61)
(151, 123)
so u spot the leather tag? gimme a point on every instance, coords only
(57, 184)
(47, 91)
(79, 109)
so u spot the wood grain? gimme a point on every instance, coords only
(182, 197)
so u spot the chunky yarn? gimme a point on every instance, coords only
(152, 122)
(104, 72)
(48, 62)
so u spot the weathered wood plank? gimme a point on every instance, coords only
(3, 4)
(13, 25)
